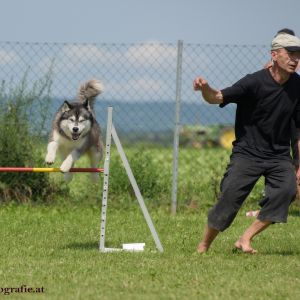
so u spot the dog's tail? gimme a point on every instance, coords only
(89, 91)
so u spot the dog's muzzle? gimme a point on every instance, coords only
(75, 133)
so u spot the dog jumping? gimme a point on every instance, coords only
(76, 132)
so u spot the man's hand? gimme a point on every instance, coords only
(199, 83)
(209, 94)
(298, 175)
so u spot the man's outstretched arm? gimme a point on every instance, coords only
(209, 94)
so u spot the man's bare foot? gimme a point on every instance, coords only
(252, 213)
(202, 247)
(245, 247)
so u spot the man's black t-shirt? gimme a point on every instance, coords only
(263, 115)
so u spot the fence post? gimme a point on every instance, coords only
(177, 126)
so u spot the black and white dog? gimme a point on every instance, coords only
(75, 131)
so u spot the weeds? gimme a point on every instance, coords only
(21, 134)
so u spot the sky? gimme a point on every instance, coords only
(238, 22)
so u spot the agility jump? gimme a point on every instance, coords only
(110, 133)
(49, 170)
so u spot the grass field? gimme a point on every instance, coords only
(56, 247)
(49, 243)
(53, 247)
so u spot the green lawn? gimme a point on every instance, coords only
(56, 247)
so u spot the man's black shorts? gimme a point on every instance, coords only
(238, 181)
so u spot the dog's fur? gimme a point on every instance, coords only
(75, 131)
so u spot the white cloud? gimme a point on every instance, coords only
(154, 55)
(148, 54)
(138, 89)
(8, 57)
(84, 54)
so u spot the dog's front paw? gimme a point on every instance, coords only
(66, 165)
(50, 158)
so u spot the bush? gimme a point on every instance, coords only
(145, 172)
(21, 131)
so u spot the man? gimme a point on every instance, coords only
(294, 134)
(267, 101)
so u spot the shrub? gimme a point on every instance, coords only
(21, 126)
(145, 172)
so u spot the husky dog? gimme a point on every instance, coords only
(75, 131)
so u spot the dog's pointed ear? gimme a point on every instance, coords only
(66, 106)
(87, 105)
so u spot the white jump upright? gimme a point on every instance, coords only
(105, 180)
(112, 133)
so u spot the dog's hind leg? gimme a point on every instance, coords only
(68, 177)
(95, 158)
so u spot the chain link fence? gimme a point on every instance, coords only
(141, 83)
